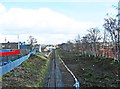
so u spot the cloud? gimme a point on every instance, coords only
(2, 8)
(6, 38)
(44, 22)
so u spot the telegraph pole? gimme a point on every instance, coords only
(5, 39)
(119, 30)
(118, 43)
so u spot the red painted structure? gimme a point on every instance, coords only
(108, 53)
(14, 52)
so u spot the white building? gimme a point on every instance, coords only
(50, 48)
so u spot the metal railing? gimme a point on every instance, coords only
(11, 65)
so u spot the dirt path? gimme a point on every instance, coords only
(54, 77)
(58, 76)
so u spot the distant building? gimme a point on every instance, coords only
(22, 45)
(46, 48)
(50, 47)
(9, 45)
(40, 49)
(37, 47)
(14, 45)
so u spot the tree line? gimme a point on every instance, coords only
(93, 41)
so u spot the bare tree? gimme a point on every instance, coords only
(94, 36)
(85, 44)
(113, 27)
(106, 40)
(32, 41)
(110, 25)
(78, 44)
(69, 46)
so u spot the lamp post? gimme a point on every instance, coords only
(118, 51)
(118, 31)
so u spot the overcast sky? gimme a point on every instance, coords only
(51, 21)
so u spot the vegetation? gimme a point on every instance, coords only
(92, 71)
(97, 55)
(30, 74)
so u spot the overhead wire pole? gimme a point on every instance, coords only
(5, 39)
(119, 30)
(118, 42)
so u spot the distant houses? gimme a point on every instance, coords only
(28, 47)
(9, 45)
(102, 49)
(47, 48)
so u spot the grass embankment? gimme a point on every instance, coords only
(0, 80)
(30, 73)
(92, 71)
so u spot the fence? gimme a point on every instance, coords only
(5, 50)
(11, 65)
(8, 55)
(14, 52)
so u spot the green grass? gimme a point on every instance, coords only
(43, 72)
(103, 73)
(31, 73)
(0, 79)
(39, 54)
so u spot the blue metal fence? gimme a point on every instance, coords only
(5, 50)
(11, 65)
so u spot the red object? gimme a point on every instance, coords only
(108, 53)
(15, 52)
